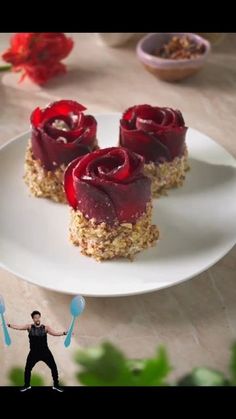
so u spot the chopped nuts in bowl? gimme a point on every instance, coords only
(173, 56)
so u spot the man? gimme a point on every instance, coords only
(39, 350)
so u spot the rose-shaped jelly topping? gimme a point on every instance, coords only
(108, 185)
(61, 132)
(158, 134)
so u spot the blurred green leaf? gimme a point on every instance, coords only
(107, 366)
(37, 380)
(155, 370)
(103, 366)
(16, 377)
(204, 377)
(232, 365)
(136, 365)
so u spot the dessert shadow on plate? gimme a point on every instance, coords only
(204, 176)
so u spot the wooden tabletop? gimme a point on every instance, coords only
(195, 320)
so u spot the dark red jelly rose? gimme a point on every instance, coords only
(61, 132)
(158, 134)
(108, 185)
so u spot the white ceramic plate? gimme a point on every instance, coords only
(197, 224)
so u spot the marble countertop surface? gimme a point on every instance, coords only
(195, 320)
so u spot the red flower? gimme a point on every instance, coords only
(108, 185)
(158, 134)
(61, 132)
(38, 55)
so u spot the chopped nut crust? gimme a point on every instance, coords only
(102, 241)
(167, 175)
(43, 183)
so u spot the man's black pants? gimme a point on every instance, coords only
(44, 355)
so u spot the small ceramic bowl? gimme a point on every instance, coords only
(170, 69)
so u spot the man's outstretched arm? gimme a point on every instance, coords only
(19, 327)
(53, 333)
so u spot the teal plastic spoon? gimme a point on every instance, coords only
(4, 326)
(76, 308)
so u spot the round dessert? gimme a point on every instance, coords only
(157, 134)
(60, 133)
(110, 197)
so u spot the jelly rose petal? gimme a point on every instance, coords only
(174, 140)
(61, 107)
(68, 183)
(144, 143)
(93, 202)
(108, 186)
(61, 132)
(158, 134)
(127, 199)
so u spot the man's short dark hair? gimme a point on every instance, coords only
(34, 313)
